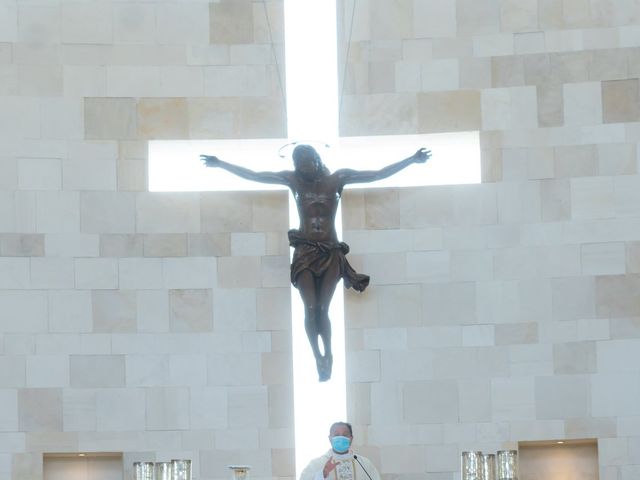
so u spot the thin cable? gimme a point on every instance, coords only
(275, 56)
(346, 59)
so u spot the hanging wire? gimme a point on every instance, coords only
(346, 59)
(275, 55)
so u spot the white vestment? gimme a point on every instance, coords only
(347, 468)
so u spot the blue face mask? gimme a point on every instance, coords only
(340, 444)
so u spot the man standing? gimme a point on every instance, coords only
(340, 463)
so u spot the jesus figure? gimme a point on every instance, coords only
(319, 258)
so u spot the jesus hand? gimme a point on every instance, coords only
(210, 161)
(422, 155)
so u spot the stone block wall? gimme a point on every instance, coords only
(158, 324)
(506, 311)
(151, 324)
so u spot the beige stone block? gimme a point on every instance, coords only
(513, 399)
(583, 103)
(449, 111)
(555, 200)
(576, 161)
(9, 22)
(274, 307)
(270, 211)
(191, 272)
(236, 81)
(40, 409)
(372, 115)
(617, 159)
(121, 245)
(590, 427)
(477, 18)
(120, 410)
(165, 245)
(110, 118)
(96, 371)
(163, 118)
(140, 273)
(432, 18)
(168, 213)
(440, 75)
(147, 370)
(507, 71)
(449, 304)
(592, 197)
(89, 174)
(576, 13)
(132, 175)
(52, 273)
(626, 195)
(431, 401)
(15, 273)
(519, 16)
(214, 117)
(391, 20)
(26, 466)
(231, 22)
(57, 212)
(382, 209)
(475, 73)
(603, 258)
(167, 409)
(69, 311)
(239, 272)
(516, 333)
(574, 358)
(85, 81)
(33, 23)
(277, 368)
(381, 77)
(614, 395)
(133, 81)
(562, 397)
(47, 371)
(22, 245)
(39, 174)
(573, 298)
(182, 23)
(617, 356)
(208, 408)
(86, 23)
(550, 105)
(209, 244)
(615, 296)
(191, 310)
(29, 307)
(134, 23)
(620, 102)
(609, 64)
(226, 212)
(493, 45)
(114, 311)
(107, 212)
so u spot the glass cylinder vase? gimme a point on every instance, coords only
(488, 462)
(180, 469)
(143, 471)
(507, 464)
(471, 466)
(163, 471)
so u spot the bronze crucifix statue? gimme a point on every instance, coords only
(319, 258)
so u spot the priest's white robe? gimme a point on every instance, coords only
(347, 468)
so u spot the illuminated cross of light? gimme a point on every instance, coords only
(312, 113)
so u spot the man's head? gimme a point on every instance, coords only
(340, 436)
(307, 162)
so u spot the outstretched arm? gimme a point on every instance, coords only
(281, 178)
(348, 175)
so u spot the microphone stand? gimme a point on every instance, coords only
(355, 457)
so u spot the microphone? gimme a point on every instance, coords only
(355, 457)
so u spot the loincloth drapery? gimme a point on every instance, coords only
(317, 257)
